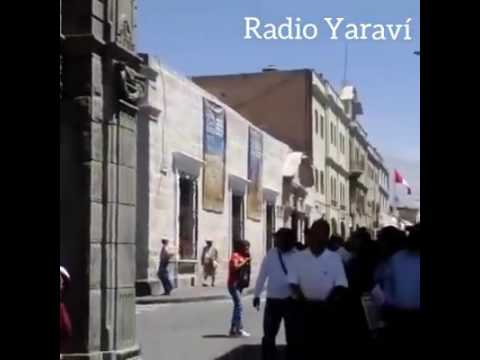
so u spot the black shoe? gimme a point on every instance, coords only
(166, 293)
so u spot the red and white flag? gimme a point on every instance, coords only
(399, 179)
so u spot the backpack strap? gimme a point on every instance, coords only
(282, 263)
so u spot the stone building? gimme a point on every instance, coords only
(176, 172)
(100, 86)
(300, 108)
(358, 185)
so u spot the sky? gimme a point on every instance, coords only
(207, 37)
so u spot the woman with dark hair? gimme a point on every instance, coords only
(238, 279)
(65, 324)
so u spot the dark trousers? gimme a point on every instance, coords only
(277, 310)
(164, 276)
(316, 331)
(402, 327)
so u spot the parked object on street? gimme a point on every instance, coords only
(209, 262)
(65, 323)
(274, 271)
(238, 279)
(166, 254)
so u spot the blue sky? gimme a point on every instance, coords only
(206, 37)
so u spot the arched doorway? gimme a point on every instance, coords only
(342, 229)
(334, 226)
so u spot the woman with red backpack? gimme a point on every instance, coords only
(238, 279)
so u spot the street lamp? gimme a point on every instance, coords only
(417, 52)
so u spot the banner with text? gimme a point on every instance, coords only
(214, 156)
(255, 165)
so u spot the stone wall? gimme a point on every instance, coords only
(179, 130)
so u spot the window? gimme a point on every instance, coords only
(316, 179)
(270, 222)
(322, 185)
(332, 190)
(332, 134)
(321, 126)
(316, 122)
(237, 218)
(188, 218)
(357, 156)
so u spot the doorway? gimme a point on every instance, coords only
(238, 222)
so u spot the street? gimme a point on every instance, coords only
(198, 331)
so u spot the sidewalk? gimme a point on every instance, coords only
(191, 294)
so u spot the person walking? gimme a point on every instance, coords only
(65, 322)
(209, 262)
(337, 244)
(400, 281)
(274, 270)
(317, 279)
(166, 254)
(238, 279)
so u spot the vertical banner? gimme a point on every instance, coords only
(255, 164)
(214, 156)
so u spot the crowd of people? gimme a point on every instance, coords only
(332, 292)
(328, 292)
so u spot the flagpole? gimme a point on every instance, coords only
(395, 200)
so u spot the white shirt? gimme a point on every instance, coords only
(317, 276)
(271, 269)
(400, 280)
(344, 254)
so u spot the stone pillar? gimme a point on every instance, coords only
(149, 111)
(98, 120)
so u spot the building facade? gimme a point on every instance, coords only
(302, 109)
(178, 174)
(100, 86)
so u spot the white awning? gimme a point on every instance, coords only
(238, 184)
(187, 163)
(292, 163)
(270, 194)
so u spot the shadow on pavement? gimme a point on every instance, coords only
(250, 352)
(217, 336)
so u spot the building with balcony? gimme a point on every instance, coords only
(300, 108)
(303, 110)
(358, 156)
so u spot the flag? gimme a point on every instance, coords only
(399, 179)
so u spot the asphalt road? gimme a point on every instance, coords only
(196, 331)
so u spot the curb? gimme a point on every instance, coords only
(166, 300)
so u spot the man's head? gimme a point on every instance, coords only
(285, 239)
(209, 243)
(335, 243)
(390, 240)
(318, 235)
(164, 242)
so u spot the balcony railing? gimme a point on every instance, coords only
(357, 168)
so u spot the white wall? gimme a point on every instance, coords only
(180, 125)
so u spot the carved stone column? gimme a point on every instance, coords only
(98, 120)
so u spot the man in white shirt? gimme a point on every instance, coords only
(317, 275)
(274, 269)
(166, 254)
